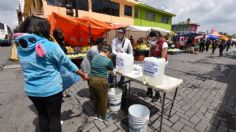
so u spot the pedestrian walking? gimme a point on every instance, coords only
(221, 48)
(214, 46)
(202, 44)
(98, 83)
(41, 60)
(228, 44)
(208, 43)
(158, 48)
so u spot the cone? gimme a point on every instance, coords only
(14, 56)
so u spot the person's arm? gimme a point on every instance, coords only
(113, 46)
(130, 48)
(110, 66)
(164, 50)
(62, 60)
(164, 53)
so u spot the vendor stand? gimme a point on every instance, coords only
(79, 32)
(169, 84)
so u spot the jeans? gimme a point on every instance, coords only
(49, 112)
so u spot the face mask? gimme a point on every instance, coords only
(152, 43)
(61, 39)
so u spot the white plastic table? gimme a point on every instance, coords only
(168, 85)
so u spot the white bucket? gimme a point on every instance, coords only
(114, 95)
(138, 118)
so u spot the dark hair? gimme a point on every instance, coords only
(106, 48)
(154, 33)
(99, 42)
(56, 34)
(122, 29)
(35, 25)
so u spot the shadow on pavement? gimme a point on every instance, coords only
(224, 120)
(84, 93)
(36, 120)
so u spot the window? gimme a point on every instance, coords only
(150, 16)
(1, 26)
(106, 7)
(82, 5)
(164, 19)
(136, 12)
(55, 2)
(128, 10)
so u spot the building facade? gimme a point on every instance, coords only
(130, 12)
(185, 27)
(111, 11)
(148, 16)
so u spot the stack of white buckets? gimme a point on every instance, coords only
(153, 72)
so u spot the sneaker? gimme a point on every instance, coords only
(107, 118)
(95, 117)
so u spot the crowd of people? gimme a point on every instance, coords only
(204, 45)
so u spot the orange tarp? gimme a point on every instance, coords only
(77, 30)
(224, 38)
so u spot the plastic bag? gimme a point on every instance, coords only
(68, 78)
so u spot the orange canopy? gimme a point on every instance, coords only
(216, 34)
(224, 38)
(77, 30)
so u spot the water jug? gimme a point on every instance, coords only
(153, 70)
(124, 62)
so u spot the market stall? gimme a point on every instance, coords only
(79, 33)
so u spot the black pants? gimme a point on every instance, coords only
(213, 50)
(201, 48)
(221, 51)
(49, 112)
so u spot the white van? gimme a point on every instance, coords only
(5, 35)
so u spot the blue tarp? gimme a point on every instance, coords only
(210, 36)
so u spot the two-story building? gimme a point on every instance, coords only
(111, 11)
(185, 27)
(130, 12)
(146, 15)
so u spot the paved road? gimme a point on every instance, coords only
(206, 102)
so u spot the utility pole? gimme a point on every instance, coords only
(75, 5)
(19, 15)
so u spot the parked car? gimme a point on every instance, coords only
(5, 42)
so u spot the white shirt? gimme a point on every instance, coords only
(165, 45)
(117, 46)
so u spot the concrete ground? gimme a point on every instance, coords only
(206, 101)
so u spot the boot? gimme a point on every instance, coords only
(156, 97)
(149, 92)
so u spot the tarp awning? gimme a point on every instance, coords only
(146, 29)
(78, 30)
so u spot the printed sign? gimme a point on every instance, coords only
(150, 69)
(119, 62)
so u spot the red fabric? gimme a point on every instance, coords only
(156, 51)
(77, 30)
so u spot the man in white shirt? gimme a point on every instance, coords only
(121, 44)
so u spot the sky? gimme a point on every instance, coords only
(217, 14)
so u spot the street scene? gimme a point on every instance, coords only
(116, 66)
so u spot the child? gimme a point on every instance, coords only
(98, 83)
